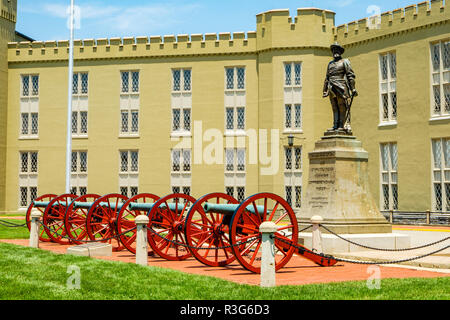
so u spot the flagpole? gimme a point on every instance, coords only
(69, 103)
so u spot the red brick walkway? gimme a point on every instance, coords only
(298, 271)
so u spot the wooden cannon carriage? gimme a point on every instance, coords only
(215, 229)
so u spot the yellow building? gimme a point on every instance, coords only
(213, 112)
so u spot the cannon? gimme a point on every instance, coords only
(231, 231)
(215, 229)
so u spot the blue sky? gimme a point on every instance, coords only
(47, 19)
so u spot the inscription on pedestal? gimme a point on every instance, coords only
(322, 180)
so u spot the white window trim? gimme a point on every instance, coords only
(182, 90)
(443, 115)
(129, 108)
(291, 88)
(27, 99)
(76, 97)
(390, 121)
(390, 182)
(442, 171)
(291, 174)
(27, 176)
(129, 171)
(235, 91)
(182, 132)
(235, 161)
(181, 171)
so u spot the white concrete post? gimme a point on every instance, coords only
(316, 234)
(141, 240)
(34, 228)
(268, 230)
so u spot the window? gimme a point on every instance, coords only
(235, 160)
(236, 192)
(293, 96)
(181, 101)
(129, 191)
(388, 87)
(293, 176)
(440, 60)
(389, 179)
(181, 160)
(441, 174)
(130, 82)
(79, 169)
(235, 99)
(30, 85)
(182, 80)
(129, 172)
(181, 178)
(80, 104)
(79, 162)
(28, 173)
(129, 161)
(29, 106)
(129, 103)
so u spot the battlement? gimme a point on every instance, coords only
(8, 10)
(135, 47)
(399, 20)
(312, 27)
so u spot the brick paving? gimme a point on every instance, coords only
(298, 271)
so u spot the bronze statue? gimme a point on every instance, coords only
(340, 87)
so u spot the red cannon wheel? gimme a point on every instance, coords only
(210, 231)
(45, 198)
(75, 219)
(54, 218)
(101, 220)
(245, 226)
(126, 217)
(167, 219)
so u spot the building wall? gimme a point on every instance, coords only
(7, 33)
(278, 39)
(408, 32)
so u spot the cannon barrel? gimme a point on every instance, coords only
(147, 206)
(133, 206)
(79, 205)
(88, 205)
(229, 209)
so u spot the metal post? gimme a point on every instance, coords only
(141, 240)
(69, 104)
(391, 216)
(428, 216)
(34, 228)
(316, 234)
(267, 230)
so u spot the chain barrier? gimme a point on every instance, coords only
(381, 249)
(9, 224)
(308, 227)
(239, 243)
(90, 241)
(366, 262)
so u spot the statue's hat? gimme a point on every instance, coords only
(337, 46)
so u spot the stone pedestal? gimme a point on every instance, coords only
(91, 250)
(338, 188)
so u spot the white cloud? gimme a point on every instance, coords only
(126, 20)
(343, 3)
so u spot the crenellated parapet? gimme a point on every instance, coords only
(311, 27)
(8, 10)
(410, 18)
(135, 47)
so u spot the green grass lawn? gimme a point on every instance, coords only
(14, 233)
(39, 275)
